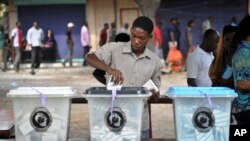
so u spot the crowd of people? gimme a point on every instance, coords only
(220, 60)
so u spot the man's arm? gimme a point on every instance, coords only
(243, 85)
(192, 70)
(191, 82)
(95, 62)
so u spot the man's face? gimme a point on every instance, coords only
(139, 39)
(213, 42)
(227, 40)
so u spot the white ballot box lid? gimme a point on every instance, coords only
(46, 91)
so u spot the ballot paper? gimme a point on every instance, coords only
(150, 85)
(112, 86)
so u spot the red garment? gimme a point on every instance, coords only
(157, 36)
(175, 58)
(103, 36)
(20, 34)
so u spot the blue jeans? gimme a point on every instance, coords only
(145, 134)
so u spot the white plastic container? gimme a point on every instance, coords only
(202, 113)
(41, 120)
(126, 119)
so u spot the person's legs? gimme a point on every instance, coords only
(17, 58)
(70, 55)
(145, 134)
(38, 57)
(33, 59)
(5, 59)
(86, 51)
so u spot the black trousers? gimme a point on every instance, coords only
(243, 118)
(36, 57)
(85, 52)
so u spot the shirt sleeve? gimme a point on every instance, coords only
(156, 78)
(192, 66)
(105, 52)
(29, 36)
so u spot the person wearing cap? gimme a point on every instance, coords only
(70, 45)
(131, 64)
(35, 37)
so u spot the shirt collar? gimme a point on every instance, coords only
(146, 53)
(201, 51)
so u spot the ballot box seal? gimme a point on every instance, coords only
(117, 121)
(41, 119)
(203, 119)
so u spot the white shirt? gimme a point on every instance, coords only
(85, 37)
(198, 64)
(14, 35)
(35, 37)
(123, 30)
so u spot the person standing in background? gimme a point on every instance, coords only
(207, 24)
(104, 35)
(1, 46)
(124, 28)
(8, 52)
(85, 41)
(189, 37)
(168, 37)
(16, 41)
(112, 32)
(35, 38)
(177, 32)
(221, 72)
(70, 45)
(199, 61)
(158, 40)
(241, 72)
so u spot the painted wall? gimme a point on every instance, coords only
(56, 17)
(46, 2)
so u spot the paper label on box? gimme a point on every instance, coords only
(25, 128)
(50, 137)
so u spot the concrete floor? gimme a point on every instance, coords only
(80, 78)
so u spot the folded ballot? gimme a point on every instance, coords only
(150, 85)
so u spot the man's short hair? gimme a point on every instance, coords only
(144, 23)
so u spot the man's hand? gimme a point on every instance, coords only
(116, 76)
(155, 94)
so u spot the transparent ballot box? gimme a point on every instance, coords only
(41, 113)
(202, 113)
(116, 119)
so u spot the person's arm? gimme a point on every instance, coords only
(156, 78)
(192, 70)
(243, 85)
(172, 36)
(95, 62)
(191, 82)
(29, 37)
(102, 58)
(189, 38)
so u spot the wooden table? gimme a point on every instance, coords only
(6, 124)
